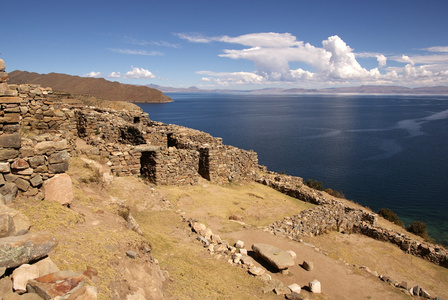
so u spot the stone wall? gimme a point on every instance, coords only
(28, 158)
(334, 215)
(130, 142)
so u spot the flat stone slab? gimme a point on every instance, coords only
(276, 257)
(18, 250)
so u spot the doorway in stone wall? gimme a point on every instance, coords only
(204, 163)
(148, 165)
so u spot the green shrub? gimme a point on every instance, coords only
(418, 228)
(314, 184)
(388, 214)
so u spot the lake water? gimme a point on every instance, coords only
(380, 151)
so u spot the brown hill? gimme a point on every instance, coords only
(97, 87)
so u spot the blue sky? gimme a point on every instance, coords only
(231, 44)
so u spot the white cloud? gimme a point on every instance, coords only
(406, 59)
(194, 37)
(139, 73)
(165, 44)
(93, 74)
(382, 60)
(114, 75)
(137, 52)
(334, 63)
(236, 78)
(437, 49)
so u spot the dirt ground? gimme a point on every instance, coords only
(93, 233)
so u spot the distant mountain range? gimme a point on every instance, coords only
(364, 89)
(97, 87)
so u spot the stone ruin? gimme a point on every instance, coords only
(38, 132)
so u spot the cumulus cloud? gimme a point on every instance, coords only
(382, 60)
(139, 73)
(93, 74)
(335, 62)
(136, 52)
(114, 75)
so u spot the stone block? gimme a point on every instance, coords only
(308, 265)
(274, 256)
(58, 168)
(5, 167)
(10, 100)
(36, 161)
(19, 164)
(22, 184)
(55, 285)
(10, 118)
(6, 154)
(10, 140)
(315, 287)
(36, 181)
(58, 157)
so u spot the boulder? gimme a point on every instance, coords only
(59, 189)
(276, 257)
(21, 275)
(2, 64)
(56, 284)
(18, 250)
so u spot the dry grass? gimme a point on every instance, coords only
(194, 274)
(251, 203)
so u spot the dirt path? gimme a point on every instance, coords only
(338, 280)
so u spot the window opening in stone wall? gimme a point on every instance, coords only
(148, 165)
(171, 141)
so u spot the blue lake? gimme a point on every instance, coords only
(380, 151)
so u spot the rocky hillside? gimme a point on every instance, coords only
(97, 87)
